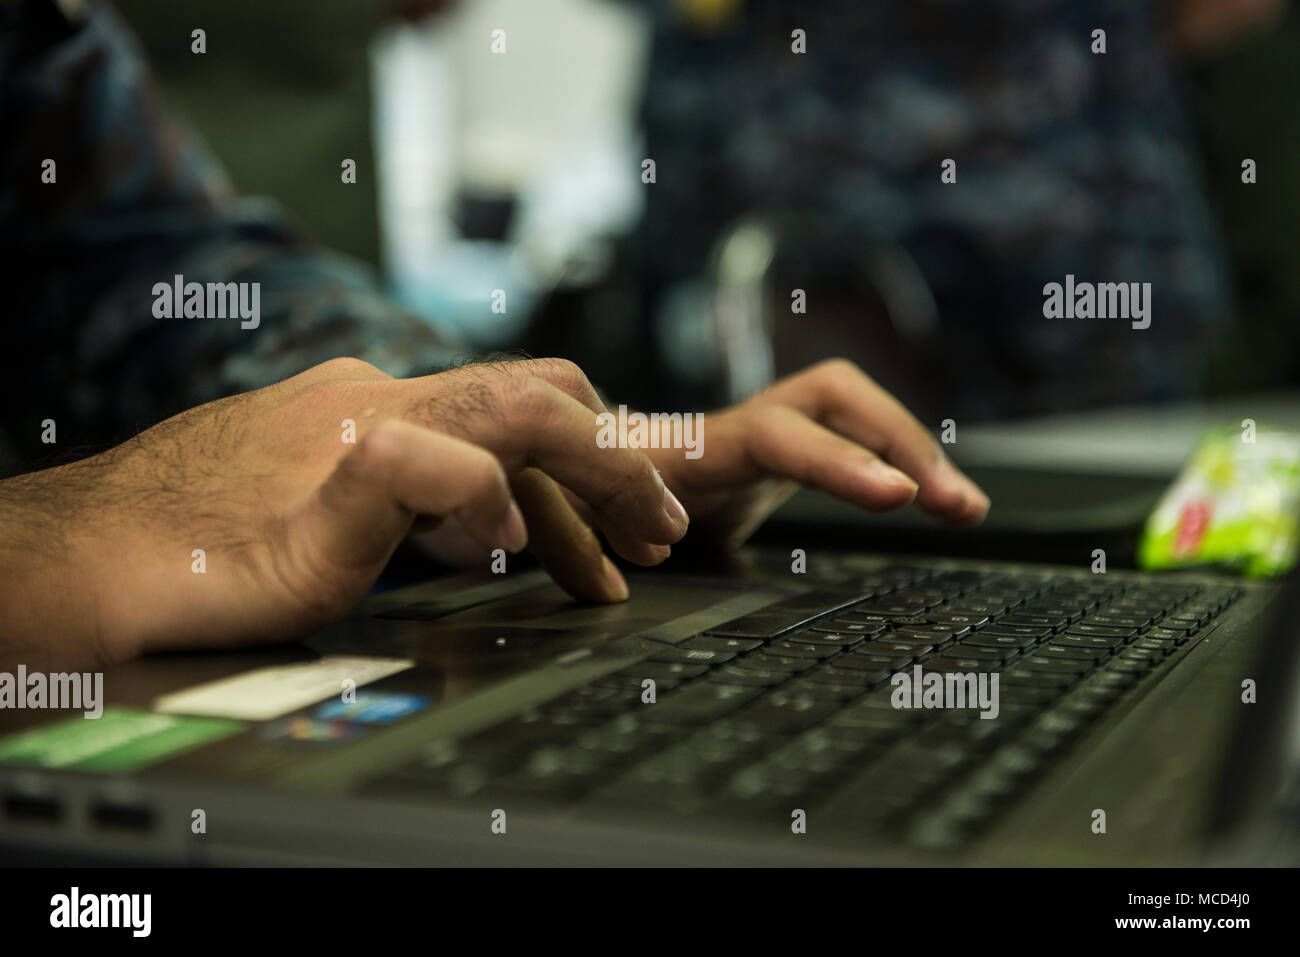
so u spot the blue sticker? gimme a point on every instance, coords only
(306, 729)
(373, 707)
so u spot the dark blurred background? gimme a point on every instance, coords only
(293, 90)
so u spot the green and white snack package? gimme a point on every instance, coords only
(1236, 503)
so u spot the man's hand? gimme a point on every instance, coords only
(254, 518)
(266, 515)
(829, 427)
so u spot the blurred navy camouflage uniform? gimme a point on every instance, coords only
(138, 200)
(1067, 162)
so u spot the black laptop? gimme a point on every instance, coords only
(793, 707)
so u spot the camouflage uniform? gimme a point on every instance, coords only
(1067, 162)
(136, 201)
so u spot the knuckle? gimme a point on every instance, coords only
(531, 400)
(842, 382)
(488, 475)
(563, 373)
(839, 366)
(462, 411)
(763, 430)
(840, 373)
(626, 488)
(377, 448)
(644, 479)
(348, 367)
(771, 429)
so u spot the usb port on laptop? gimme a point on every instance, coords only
(32, 808)
(122, 817)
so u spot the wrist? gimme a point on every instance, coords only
(51, 584)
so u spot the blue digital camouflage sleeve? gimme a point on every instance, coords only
(1071, 163)
(136, 200)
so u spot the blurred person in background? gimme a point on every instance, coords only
(1068, 161)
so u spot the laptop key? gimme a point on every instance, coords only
(838, 627)
(1141, 609)
(1034, 632)
(795, 649)
(957, 663)
(747, 677)
(626, 734)
(1134, 665)
(1152, 644)
(827, 638)
(692, 656)
(873, 726)
(1053, 610)
(1033, 621)
(977, 609)
(1109, 677)
(710, 643)
(892, 662)
(981, 639)
(859, 663)
(892, 609)
(858, 617)
(826, 689)
(1118, 621)
(1141, 656)
(588, 710)
(960, 621)
(708, 759)
(862, 678)
(1177, 636)
(841, 743)
(763, 790)
(663, 673)
(1086, 641)
(760, 660)
(698, 703)
(1035, 677)
(915, 769)
(1100, 631)
(1074, 666)
(913, 649)
(975, 735)
(942, 633)
(1068, 652)
(963, 650)
(1035, 696)
(784, 713)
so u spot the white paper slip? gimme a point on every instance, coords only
(267, 693)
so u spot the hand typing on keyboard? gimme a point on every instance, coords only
(829, 427)
(266, 515)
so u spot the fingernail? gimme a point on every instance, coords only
(674, 508)
(884, 472)
(614, 580)
(513, 533)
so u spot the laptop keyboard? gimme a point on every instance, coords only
(790, 706)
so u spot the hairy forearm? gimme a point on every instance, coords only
(50, 579)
